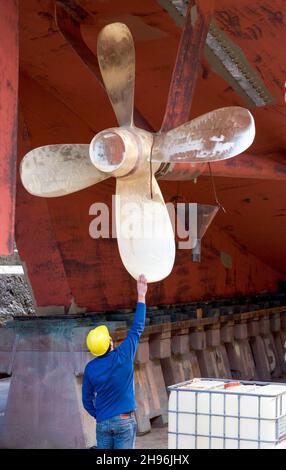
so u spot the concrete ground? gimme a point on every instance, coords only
(156, 439)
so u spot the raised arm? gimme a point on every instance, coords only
(129, 345)
(141, 288)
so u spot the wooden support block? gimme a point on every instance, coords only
(241, 361)
(213, 337)
(272, 356)
(197, 340)
(179, 368)
(253, 328)
(283, 320)
(281, 346)
(160, 345)
(143, 352)
(151, 395)
(213, 362)
(199, 313)
(275, 323)
(240, 331)
(227, 333)
(260, 358)
(180, 344)
(264, 326)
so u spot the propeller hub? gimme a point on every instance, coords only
(114, 151)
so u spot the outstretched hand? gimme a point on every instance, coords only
(141, 288)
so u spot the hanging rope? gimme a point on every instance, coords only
(214, 190)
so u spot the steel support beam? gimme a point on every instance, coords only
(246, 166)
(187, 64)
(249, 166)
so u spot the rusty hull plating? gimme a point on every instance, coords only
(56, 107)
(61, 100)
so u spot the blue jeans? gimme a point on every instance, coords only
(116, 433)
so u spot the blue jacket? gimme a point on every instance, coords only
(108, 382)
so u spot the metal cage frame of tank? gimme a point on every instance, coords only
(280, 419)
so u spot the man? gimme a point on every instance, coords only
(110, 378)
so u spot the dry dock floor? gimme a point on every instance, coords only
(157, 438)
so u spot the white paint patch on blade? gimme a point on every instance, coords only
(198, 148)
(218, 135)
(217, 139)
(11, 270)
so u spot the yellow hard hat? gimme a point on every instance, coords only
(98, 340)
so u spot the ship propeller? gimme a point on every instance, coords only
(132, 155)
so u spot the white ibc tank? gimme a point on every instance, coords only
(222, 414)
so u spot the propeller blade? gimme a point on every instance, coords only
(218, 135)
(116, 58)
(144, 231)
(57, 170)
